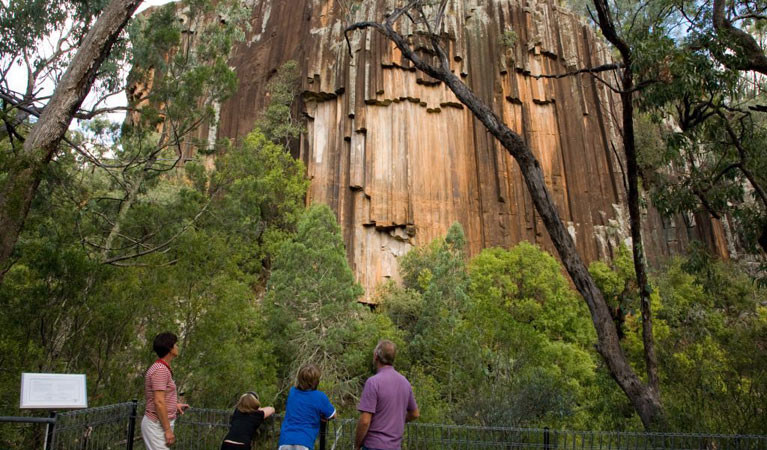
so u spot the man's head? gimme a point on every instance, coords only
(164, 343)
(385, 352)
(308, 377)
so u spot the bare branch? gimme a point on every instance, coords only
(602, 68)
(440, 15)
(162, 246)
(749, 16)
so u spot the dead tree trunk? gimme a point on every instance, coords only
(644, 399)
(19, 188)
(607, 26)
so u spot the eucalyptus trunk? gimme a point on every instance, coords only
(42, 143)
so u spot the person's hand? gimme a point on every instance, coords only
(181, 407)
(170, 438)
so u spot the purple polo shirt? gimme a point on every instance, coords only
(388, 396)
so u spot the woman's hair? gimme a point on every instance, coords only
(248, 403)
(308, 377)
(163, 343)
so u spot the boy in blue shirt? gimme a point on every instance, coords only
(305, 409)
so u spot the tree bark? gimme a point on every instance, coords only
(749, 54)
(635, 220)
(607, 25)
(41, 144)
(644, 399)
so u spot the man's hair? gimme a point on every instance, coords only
(163, 343)
(385, 352)
(308, 377)
(248, 403)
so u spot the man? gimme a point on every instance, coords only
(386, 404)
(161, 399)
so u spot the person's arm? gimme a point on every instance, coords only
(362, 429)
(162, 414)
(412, 408)
(267, 410)
(181, 407)
(327, 411)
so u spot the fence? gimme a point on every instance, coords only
(104, 428)
(115, 427)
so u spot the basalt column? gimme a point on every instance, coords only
(399, 159)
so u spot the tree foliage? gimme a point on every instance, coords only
(313, 311)
(122, 242)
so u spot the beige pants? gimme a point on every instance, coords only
(292, 447)
(153, 434)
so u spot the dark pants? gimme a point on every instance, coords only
(230, 446)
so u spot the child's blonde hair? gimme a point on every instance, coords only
(248, 403)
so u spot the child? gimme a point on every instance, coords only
(305, 409)
(247, 417)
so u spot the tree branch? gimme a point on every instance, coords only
(750, 55)
(162, 246)
(598, 69)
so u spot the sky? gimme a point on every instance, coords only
(149, 3)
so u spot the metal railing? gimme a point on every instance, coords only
(50, 423)
(115, 427)
(102, 428)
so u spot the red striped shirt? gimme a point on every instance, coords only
(159, 378)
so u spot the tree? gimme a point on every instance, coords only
(715, 108)
(644, 398)
(607, 23)
(185, 63)
(313, 312)
(62, 309)
(436, 281)
(748, 53)
(277, 118)
(20, 184)
(177, 51)
(535, 341)
(708, 320)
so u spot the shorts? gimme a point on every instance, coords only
(153, 434)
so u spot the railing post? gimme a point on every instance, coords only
(131, 425)
(49, 429)
(546, 445)
(323, 433)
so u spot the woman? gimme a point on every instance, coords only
(305, 409)
(161, 399)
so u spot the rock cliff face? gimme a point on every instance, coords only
(400, 159)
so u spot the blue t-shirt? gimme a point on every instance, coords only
(302, 417)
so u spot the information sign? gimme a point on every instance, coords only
(53, 391)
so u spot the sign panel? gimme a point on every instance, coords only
(53, 391)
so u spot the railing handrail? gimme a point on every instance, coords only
(568, 430)
(22, 419)
(200, 426)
